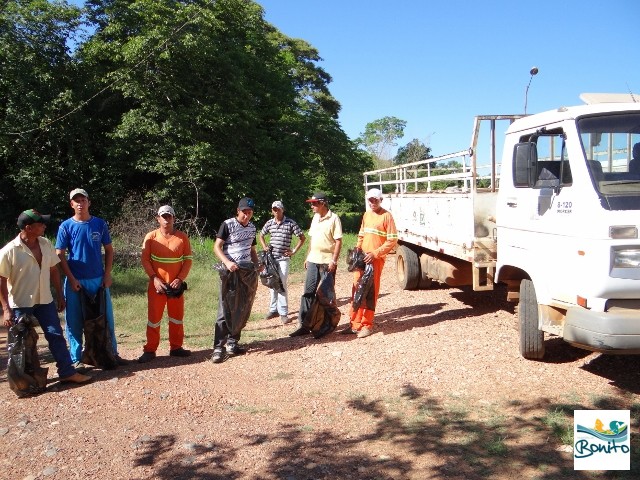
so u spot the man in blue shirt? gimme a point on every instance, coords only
(79, 246)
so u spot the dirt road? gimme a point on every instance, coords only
(439, 391)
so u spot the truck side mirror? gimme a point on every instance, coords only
(525, 164)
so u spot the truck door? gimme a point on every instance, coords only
(537, 218)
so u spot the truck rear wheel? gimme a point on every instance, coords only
(531, 337)
(407, 268)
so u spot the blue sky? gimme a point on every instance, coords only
(436, 64)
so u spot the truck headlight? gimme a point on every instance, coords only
(626, 258)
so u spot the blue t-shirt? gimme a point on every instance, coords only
(83, 242)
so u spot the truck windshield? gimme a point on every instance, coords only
(611, 144)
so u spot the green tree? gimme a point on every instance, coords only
(191, 103)
(212, 98)
(380, 135)
(414, 151)
(37, 122)
(445, 168)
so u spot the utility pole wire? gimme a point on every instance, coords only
(130, 69)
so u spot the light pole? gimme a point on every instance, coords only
(533, 71)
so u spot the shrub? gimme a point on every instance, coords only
(137, 218)
(351, 222)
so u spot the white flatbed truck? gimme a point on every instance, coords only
(556, 221)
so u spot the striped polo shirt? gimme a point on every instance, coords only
(280, 234)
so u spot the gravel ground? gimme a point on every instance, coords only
(439, 391)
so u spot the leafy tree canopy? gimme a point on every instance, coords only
(414, 151)
(380, 135)
(193, 103)
(35, 95)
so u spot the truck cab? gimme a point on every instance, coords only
(568, 216)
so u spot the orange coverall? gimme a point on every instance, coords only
(168, 259)
(377, 235)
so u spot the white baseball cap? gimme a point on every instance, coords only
(374, 193)
(277, 204)
(78, 191)
(163, 210)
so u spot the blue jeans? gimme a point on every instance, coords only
(50, 323)
(279, 301)
(74, 318)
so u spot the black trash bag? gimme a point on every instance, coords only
(323, 316)
(355, 259)
(25, 375)
(238, 290)
(364, 290)
(175, 292)
(98, 349)
(270, 276)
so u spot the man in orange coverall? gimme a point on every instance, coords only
(377, 237)
(167, 259)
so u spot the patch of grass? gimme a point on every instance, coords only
(574, 398)
(470, 438)
(455, 413)
(129, 294)
(496, 446)
(424, 412)
(561, 426)
(496, 419)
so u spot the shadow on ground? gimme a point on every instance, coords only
(421, 438)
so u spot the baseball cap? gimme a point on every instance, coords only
(318, 197)
(78, 191)
(31, 216)
(277, 204)
(374, 193)
(246, 203)
(163, 210)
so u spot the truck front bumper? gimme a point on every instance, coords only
(615, 331)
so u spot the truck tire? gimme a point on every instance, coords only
(407, 268)
(531, 337)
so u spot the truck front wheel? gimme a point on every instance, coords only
(531, 337)
(407, 268)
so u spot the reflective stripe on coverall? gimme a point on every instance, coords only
(168, 259)
(378, 235)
